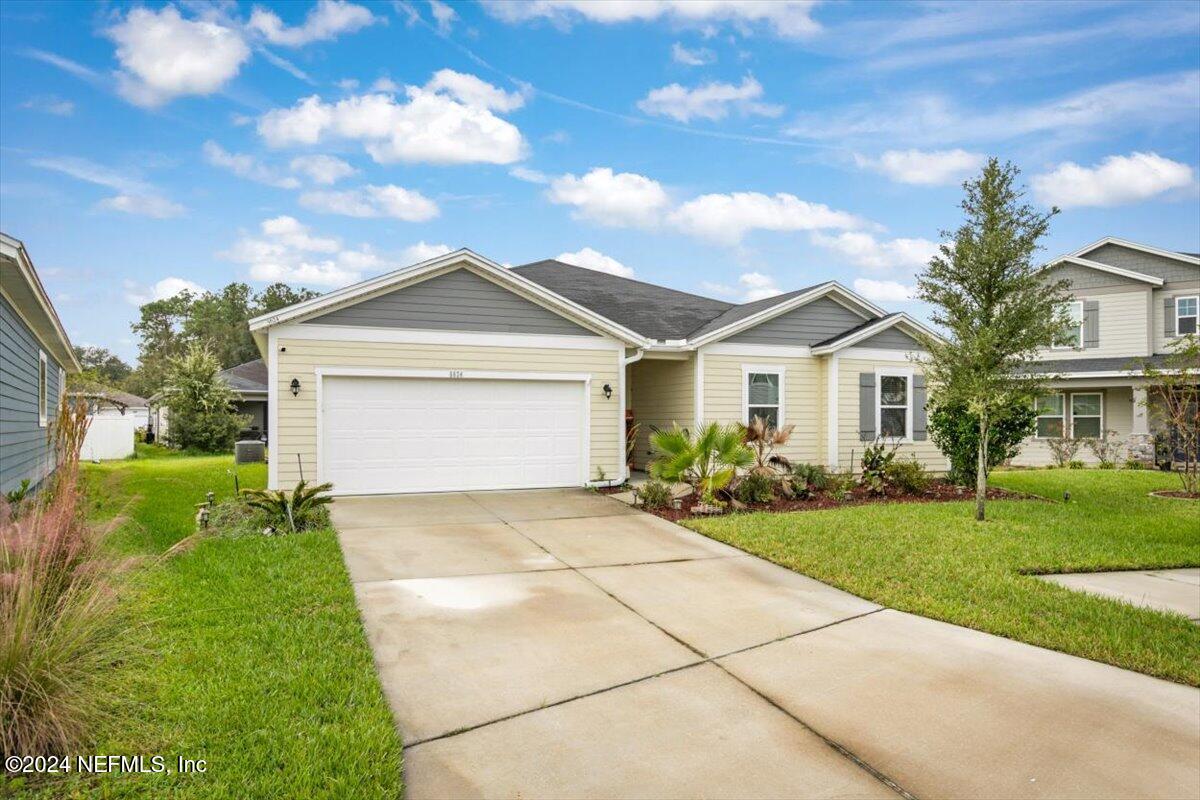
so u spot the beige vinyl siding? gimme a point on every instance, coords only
(661, 393)
(850, 447)
(803, 398)
(1124, 317)
(1162, 342)
(296, 423)
(1117, 415)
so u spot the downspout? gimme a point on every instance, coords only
(625, 362)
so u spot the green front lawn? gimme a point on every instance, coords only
(933, 559)
(251, 655)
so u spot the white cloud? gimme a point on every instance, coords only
(787, 18)
(65, 64)
(751, 286)
(134, 196)
(864, 250)
(386, 85)
(923, 167)
(884, 291)
(163, 55)
(138, 295)
(347, 84)
(448, 121)
(416, 253)
(712, 101)
(246, 166)
(373, 201)
(697, 57)
(594, 259)
(1114, 181)
(50, 105)
(322, 169)
(529, 175)
(284, 250)
(326, 20)
(443, 15)
(620, 199)
(726, 218)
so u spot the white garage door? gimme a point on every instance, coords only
(384, 435)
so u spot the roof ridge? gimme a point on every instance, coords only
(628, 280)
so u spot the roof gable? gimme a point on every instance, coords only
(1085, 274)
(897, 331)
(1143, 259)
(806, 325)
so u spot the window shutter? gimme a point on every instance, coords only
(1169, 316)
(919, 433)
(866, 406)
(1091, 323)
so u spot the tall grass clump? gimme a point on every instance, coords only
(58, 630)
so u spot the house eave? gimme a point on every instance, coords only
(1153, 280)
(51, 334)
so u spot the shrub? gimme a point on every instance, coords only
(1106, 465)
(655, 494)
(201, 403)
(295, 511)
(756, 487)
(1063, 449)
(707, 461)
(1135, 465)
(59, 634)
(909, 476)
(840, 486)
(875, 462)
(762, 440)
(955, 430)
(1074, 464)
(814, 476)
(1106, 448)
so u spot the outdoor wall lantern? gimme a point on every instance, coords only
(295, 386)
(607, 392)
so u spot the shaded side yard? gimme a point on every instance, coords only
(935, 560)
(251, 653)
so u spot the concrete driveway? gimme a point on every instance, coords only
(560, 644)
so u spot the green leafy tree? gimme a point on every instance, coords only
(1173, 397)
(955, 430)
(100, 366)
(996, 306)
(218, 320)
(707, 462)
(158, 329)
(201, 403)
(280, 295)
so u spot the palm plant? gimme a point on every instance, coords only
(295, 509)
(707, 462)
(762, 440)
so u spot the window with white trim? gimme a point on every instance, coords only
(1187, 314)
(763, 393)
(893, 404)
(1072, 338)
(1087, 410)
(43, 389)
(1050, 416)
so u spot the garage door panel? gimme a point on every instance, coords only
(420, 434)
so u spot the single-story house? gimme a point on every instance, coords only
(115, 418)
(1130, 302)
(460, 374)
(249, 381)
(35, 357)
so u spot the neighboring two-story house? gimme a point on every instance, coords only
(1130, 302)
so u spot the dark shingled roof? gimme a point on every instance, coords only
(856, 329)
(655, 312)
(1112, 364)
(748, 309)
(248, 377)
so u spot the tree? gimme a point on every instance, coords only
(219, 321)
(707, 462)
(159, 331)
(280, 295)
(201, 403)
(955, 430)
(100, 366)
(996, 306)
(1173, 397)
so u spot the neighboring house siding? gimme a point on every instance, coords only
(25, 451)
(811, 323)
(661, 393)
(459, 300)
(850, 446)
(891, 339)
(296, 421)
(1168, 269)
(1086, 278)
(1123, 325)
(1163, 340)
(1116, 416)
(803, 398)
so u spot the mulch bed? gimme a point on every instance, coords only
(1178, 494)
(938, 492)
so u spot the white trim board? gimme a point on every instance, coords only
(764, 369)
(875, 328)
(1099, 266)
(831, 434)
(880, 354)
(765, 350)
(894, 372)
(352, 333)
(815, 293)
(1145, 248)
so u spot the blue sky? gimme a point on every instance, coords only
(729, 149)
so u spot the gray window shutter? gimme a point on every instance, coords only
(866, 406)
(1091, 323)
(919, 433)
(1169, 316)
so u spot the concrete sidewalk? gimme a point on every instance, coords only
(1174, 590)
(560, 644)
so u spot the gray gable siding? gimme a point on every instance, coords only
(1082, 278)
(1166, 268)
(810, 323)
(454, 301)
(891, 339)
(24, 450)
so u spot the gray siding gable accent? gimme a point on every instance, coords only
(891, 339)
(459, 300)
(809, 324)
(1147, 263)
(24, 450)
(1083, 278)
